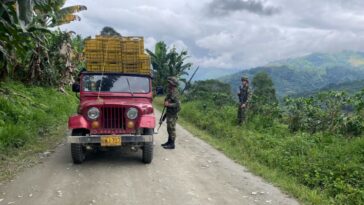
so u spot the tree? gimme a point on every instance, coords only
(109, 31)
(177, 64)
(264, 104)
(168, 63)
(210, 90)
(159, 63)
(264, 91)
(25, 33)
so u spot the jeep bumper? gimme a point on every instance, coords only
(94, 139)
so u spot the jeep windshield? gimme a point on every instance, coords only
(115, 83)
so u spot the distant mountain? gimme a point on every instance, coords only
(212, 73)
(350, 87)
(308, 73)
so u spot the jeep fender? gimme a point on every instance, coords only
(147, 121)
(78, 122)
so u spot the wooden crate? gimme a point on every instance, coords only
(93, 56)
(104, 67)
(113, 46)
(112, 67)
(130, 58)
(146, 62)
(93, 45)
(94, 67)
(132, 45)
(112, 56)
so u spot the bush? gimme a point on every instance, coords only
(29, 113)
(328, 112)
(330, 164)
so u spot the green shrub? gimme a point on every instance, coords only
(333, 112)
(330, 164)
(29, 113)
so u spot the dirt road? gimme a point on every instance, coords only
(194, 173)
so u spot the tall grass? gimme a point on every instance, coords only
(29, 116)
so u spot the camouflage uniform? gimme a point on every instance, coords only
(172, 112)
(244, 97)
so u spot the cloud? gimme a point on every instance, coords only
(238, 37)
(225, 7)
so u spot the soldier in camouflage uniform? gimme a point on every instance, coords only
(244, 97)
(172, 105)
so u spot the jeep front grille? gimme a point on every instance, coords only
(112, 117)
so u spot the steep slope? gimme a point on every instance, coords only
(308, 73)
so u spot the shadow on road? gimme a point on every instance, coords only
(114, 157)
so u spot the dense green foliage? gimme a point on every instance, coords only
(351, 87)
(333, 112)
(324, 162)
(109, 31)
(168, 62)
(29, 113)
(308, 142)
(264, 101)
(308, 73)
(210, 90)
(27, 43)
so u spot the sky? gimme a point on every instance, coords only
(231, 34)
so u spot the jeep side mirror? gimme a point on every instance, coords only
(76, 87)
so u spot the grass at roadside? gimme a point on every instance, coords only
(32, 120)
(294, 162)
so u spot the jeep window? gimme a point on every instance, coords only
(115, 83)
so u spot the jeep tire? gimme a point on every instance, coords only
(78, 151)
(148, 152)
(148, 148)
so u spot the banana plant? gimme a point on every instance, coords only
(66, 15)
(169, 63)
(25, 26)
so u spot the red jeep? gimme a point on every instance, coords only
(115, 111)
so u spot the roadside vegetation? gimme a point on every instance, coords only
(310, 147)
(168, 62)
(37, 63)
(32, 120)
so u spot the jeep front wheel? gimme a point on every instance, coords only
(78, 151)
(148, 152)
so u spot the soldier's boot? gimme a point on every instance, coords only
(170, 145)
(168, 142)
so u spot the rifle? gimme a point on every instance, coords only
(163, 117)
(188, 84)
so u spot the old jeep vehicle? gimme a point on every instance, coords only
(115, 107)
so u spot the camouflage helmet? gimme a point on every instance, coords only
(245, 78)
(173, 81)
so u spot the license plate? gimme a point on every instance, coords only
(110, 140)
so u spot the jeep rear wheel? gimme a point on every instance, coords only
(78, 151)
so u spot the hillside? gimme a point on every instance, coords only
(308, 73)
(349, 87)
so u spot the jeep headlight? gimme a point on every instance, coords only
(93, 113)
(132, 113)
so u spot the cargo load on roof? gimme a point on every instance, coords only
(117, 54)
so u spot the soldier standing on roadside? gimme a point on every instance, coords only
(172, 105)
(244, 97)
